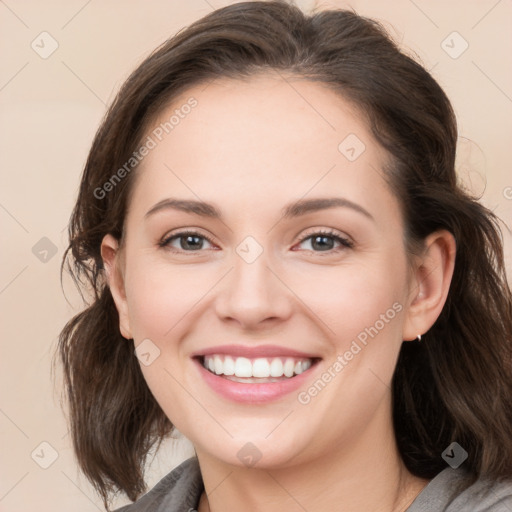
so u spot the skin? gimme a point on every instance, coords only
(250, 148)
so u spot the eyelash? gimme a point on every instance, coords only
(345, 243)
(165, 243)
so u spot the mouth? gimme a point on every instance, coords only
(258, 370)
(255, 375)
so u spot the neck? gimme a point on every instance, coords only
(369, 475)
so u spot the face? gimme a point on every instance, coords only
(290, 284)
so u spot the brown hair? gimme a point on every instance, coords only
(455, 385)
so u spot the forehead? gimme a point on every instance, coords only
(271, 136)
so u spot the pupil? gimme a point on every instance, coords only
(323, 243)
(191, 242)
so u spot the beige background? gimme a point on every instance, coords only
(50, 109)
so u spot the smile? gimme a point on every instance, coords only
(254, 375)
(243, 369)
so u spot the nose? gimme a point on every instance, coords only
(253, 296)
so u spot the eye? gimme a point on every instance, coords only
(192, 241)
(325, 241)
(189, 241)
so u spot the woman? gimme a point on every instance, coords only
(286, 270)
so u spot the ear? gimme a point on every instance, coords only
(112, 261)
(430, 283)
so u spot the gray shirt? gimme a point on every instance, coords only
(181, 489)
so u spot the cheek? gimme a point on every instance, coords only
(348, 301)
(161, 300)
(160, 296)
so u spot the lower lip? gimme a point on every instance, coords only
(250, 392)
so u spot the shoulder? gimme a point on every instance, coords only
(447, 493)
(179, 490)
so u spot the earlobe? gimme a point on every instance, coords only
(112, 261)
(430, 284)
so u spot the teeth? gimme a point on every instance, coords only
(302, 366)
(261, 367)
(276, 368)
(289, 366)
(229, 366)
(243, 367)
(219, 366)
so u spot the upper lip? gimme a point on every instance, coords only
(252, 352)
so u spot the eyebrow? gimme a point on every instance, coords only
(296, 209)
(304, 206)
(186, 205)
